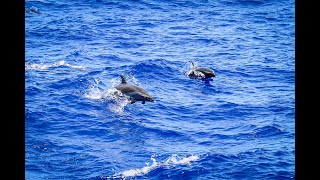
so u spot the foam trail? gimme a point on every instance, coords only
(36, 66)
(172, 160)
(62, 63)
(141, 171)
(41, 66)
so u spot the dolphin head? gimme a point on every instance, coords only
(210, 74)
(149, 98)
(206, 72)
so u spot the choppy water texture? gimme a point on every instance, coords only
(238, 126)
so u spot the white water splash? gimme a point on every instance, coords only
(188, 67)
(118, 107)
(172, 160)
(41, 66)
(94, 93)
(119, 101)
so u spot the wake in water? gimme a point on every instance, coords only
(41, 66)
(170, 161)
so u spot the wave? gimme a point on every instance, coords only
(157, 65)
(246, 2)
(250, 164)
(170, 161)
(160, 69)
(41, 66)
(268, 131)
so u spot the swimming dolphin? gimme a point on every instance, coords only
(200, 72)
(135, 93)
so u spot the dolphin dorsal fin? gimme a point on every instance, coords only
(192, 63)
(123, 80)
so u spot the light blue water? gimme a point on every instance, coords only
(238, 126)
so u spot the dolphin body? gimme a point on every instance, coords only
(200, 72)
(135, 93)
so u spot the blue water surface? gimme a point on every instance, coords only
(240, 125)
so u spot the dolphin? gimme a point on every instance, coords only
(135, 93)
(200, 72)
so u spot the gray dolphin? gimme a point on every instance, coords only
(135, 93)
(200, 72)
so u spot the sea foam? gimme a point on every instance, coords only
(42, 66)
(170, 161)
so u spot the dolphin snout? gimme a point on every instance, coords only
(209, 75)
(212, 74)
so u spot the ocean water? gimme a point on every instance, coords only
(240, 125)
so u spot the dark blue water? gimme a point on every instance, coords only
(240, 125)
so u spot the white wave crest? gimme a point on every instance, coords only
(172, 160)
(41, 66)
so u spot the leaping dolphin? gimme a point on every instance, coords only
(135, 93)
(200, 72)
